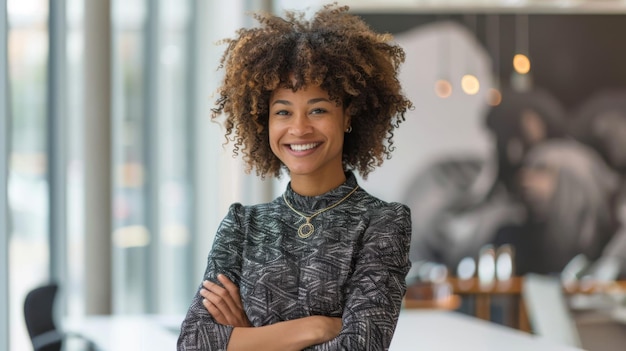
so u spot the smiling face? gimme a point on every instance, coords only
(306, 131)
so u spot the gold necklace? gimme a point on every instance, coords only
(306, 229)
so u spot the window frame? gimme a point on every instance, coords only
(4, 172)
(56, 140)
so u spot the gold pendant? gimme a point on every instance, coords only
(306, 230)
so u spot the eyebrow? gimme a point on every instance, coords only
(310, 102)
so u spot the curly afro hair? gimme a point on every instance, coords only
(334, 50)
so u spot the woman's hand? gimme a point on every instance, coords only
(325, 328)
(224, 303)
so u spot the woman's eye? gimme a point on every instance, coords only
(318, 111)
(281, 113)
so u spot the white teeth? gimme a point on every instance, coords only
(303, 147)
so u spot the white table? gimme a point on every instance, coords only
(417, 330)
(124, 332)
(453, 331)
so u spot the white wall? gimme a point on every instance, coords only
(437, 127)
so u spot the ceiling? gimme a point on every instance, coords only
(511, 6)
(574, 56)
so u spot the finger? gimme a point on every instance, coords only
(227, 299)
(223, 315)
(228, 302)
(215, 312)
(209, 285)
(217, 295)
(232, 299)
(203, 290)
(220, 300)
(232, 289)
(209, 288)
(218, 290)
(218, 307)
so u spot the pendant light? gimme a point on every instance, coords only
(443, 86)
(521, 79)
(469, 82)
(494, 95)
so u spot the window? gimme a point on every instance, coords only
(167, 197)
(28, 200)
(74, 243)
(153, 145)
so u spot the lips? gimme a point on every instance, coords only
(303, 147)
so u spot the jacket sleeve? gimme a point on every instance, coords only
(377, 286)
(199, 331)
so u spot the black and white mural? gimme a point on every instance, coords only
(543, 170)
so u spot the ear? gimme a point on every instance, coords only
(347, 120)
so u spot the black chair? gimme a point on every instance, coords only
(39, 318)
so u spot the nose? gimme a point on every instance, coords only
(300, 125)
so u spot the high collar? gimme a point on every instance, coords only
(310, 204)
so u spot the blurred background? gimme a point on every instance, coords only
(113, 179)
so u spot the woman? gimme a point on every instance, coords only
(323, 266)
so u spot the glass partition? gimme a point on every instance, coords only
(132, 235)
(174, 154)
(28, 240)
(153, 155)
(74, 167)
